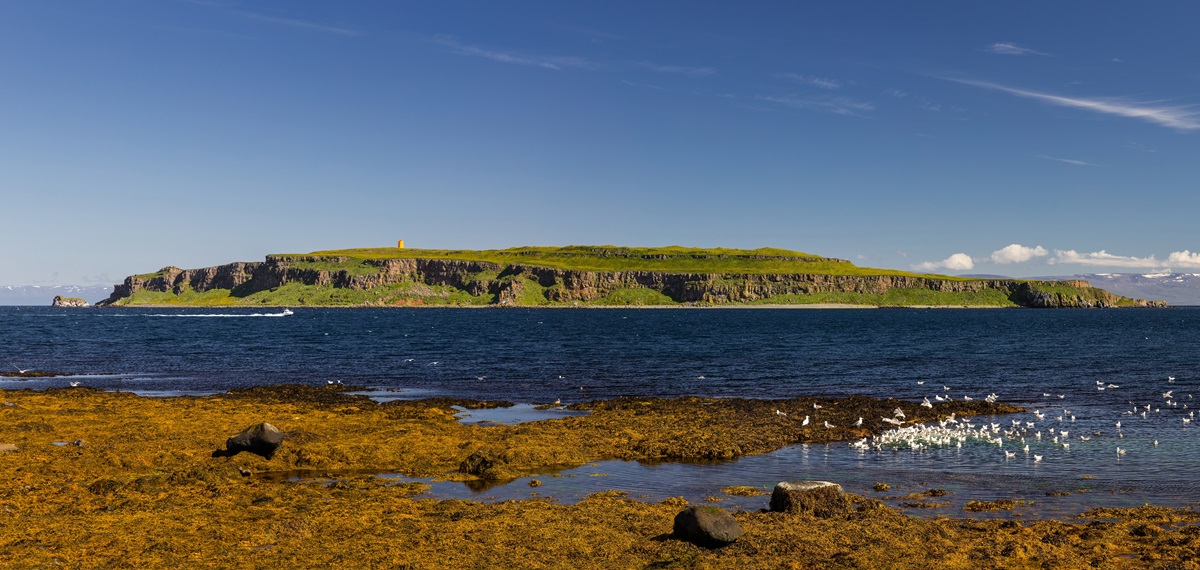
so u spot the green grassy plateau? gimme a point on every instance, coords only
(671, 259)
(727, 273)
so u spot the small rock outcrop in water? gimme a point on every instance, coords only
(60, 301)
(479, 465)
(821, 499)
(260, 439)
(706, 526)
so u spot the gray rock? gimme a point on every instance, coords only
(706, 526)
(260, 439)
(821, 499)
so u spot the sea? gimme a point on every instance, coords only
(1082, 371)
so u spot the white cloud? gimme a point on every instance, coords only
(1177, 117)
(1009, 48)
(676, 69)
(828, 104)
(1184, 258)
(1070, 161)
(1017, 253)
(547, 62)
(822, 82)
(1103, 258)
(956, 262)
(302, 24)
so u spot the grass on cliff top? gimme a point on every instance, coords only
(671, 259)
(298, 295)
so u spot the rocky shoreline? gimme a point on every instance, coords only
(112, 479)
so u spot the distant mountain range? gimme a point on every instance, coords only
(1176, 289)
(41, 296)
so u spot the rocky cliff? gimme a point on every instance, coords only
(518, 284)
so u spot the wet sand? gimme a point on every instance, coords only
(132, 483)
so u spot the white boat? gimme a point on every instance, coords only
(287, 312)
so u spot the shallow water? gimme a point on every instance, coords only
(1048, 360)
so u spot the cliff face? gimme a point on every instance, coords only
(508, 284)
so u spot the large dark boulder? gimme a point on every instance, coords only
(480, 465)
(706, 526)
(821, 499)
(260, 439)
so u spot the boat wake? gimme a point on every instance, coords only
(285, 313)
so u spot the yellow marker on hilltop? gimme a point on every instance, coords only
(400, 244)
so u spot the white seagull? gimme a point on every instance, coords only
(805, 422)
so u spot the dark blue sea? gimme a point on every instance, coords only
(1052, 361)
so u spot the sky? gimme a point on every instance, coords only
(1016, 138)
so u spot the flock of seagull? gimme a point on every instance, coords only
(1051, 428)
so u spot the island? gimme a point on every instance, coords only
(73, 302)
(584, 276)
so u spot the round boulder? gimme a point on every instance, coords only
(706, 526)
(821, 499)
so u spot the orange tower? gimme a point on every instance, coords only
(400, 244)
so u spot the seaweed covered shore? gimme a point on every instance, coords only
(101, 479)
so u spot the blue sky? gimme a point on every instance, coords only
(1024, 139)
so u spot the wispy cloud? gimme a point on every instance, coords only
(824, 103)
(299, 24)
(956, 262)
(1017, 253)
(558, 63)
(1070, 161)
(822, 82)
(1175, 117)
(642, 85)
(1009, 48)
(514, 58)
(676, 69)
(595, 36)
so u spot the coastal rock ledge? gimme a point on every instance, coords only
(820, 499)
(74, 302)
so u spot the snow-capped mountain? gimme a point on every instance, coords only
(42, 295)
(1175, 288)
